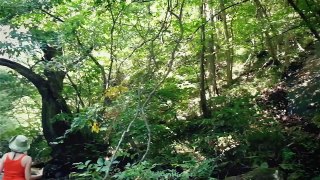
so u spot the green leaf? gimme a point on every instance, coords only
(100, 162)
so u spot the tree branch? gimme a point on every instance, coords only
(156, 87)
(169, 69)
(305, 19)
(51, 15)
(122, 138)
(34, 78)
(163, 26)
(88, 53)
(75, 87)
(222, 10)
(289, 29)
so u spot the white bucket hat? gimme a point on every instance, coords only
(19, 144)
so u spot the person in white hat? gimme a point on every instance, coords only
(16, 164)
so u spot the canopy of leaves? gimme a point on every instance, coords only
(132, 80)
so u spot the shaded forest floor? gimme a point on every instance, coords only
(295, 103)
(304, 85)
(274, 135)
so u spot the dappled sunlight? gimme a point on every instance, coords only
(190, 111)
(226, 143)
(27, 112)
(184, 149)
(145, 89)
(304, 87)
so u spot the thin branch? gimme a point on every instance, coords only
(228, 7)
(75, 87)
(88, 53)
(163, 27)
(111, 47)
(112, 59)
(222, 10)
(51, 15)
(170, 65)
(141, 108)
(290, 29)
(122, 137)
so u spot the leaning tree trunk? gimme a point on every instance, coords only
(52, 104)
(305, 19)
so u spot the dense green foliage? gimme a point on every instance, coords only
(174, 88)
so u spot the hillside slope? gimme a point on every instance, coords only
(304, 85)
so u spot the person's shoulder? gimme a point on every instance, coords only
(27, 158)
(5, 155)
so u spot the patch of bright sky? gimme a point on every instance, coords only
(14, 43)
(5, 38)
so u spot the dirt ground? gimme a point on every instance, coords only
(304, 86)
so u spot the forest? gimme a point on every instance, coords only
(163, 89)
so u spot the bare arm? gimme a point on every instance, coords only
(27, 162)
(27, 168)
(2, 162)
(38, 176)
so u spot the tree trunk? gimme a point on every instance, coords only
(305, 19)
(203, 101)
(52, 104)
(286, 51)
(262, 15)
(212, 57)
(270, 46)
(227, 39)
